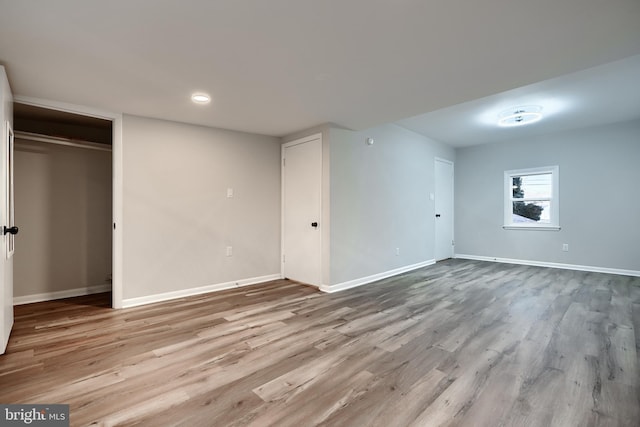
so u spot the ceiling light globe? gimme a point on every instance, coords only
(200, 98)
(519, 116)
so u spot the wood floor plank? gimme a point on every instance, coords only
(322, 396)
(459, 343)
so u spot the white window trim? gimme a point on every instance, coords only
(554, 225)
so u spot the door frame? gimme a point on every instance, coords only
(299, 141)
(9, 188)
(117, 187)
(435, 221)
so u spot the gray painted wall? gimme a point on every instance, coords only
(177, 219)
(63, 209)
(599, 212)
(380, 200)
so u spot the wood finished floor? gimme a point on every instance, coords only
(461, 343)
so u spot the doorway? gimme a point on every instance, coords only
(301, 210)
(443, 209)
(64, 206)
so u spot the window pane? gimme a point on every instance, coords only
(532, 186)
(532, 212)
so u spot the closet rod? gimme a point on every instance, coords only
(61, 141)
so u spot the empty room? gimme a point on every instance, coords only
(320, 213)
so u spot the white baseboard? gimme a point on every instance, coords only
(619, 271)
(373, 278)
(133, 302)
(48, 296)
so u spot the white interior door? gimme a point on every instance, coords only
(301, 208)
(444, 209)
(6, 212)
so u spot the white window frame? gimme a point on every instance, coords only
(554, 201)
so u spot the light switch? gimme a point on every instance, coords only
(432, 196)
(229, 193)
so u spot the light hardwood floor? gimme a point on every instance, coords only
(459, 343)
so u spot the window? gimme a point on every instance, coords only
(531, 199)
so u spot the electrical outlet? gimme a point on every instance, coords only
(565, 247)
(229, 251)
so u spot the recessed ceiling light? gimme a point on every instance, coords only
(200, 98)
(519, 116)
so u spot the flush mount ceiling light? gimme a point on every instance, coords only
(519, 116)
(200, 98)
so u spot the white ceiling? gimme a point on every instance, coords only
(600, 95)
(275, 67)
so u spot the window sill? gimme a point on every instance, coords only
(532, 227)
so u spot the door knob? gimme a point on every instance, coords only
(314, 224)
(10, 230)
(437, 215)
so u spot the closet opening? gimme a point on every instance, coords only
(63, 205)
